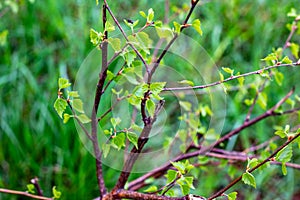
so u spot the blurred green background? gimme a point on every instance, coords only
(48, 39)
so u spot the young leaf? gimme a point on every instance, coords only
(221, 77)
(73, 93)
(56, 193)
(119, 140)
(295, 50)
(115, 43)
(115, 121)
(285, 154)
(228, 70)
(279, 78)
(63, 83)
(197, 26)
(164, 32)
(249, 179)
(133, 138)
(30, 188)
(83, 118)
(177, 27)
(157, 87)
(109, 27)
(280, 133)
(60, 106)
(66, 118)
(78, 105)
(105, 149)
(143, 14)
(283, 169)
(150, 15)
(171, 175)
(232, 196)
(150, 189)
(286, 60)
(190, 83)
(252, 163)
(184, 188)
(292, 13)
(270, 57)
(150, 106)
(95, 37)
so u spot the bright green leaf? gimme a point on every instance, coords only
(105, 149)
(270, 57)
(60, 106)
(164, 32)
(221, 77)
(283, 169)
(95, 37)
(177, 27)
(249, 179)
(109, 27)
(143, 14)
(157, 87)
(115, 44)
(150, 106)
(252, 163)
(119, 140)
(286, 60)
(285, 154)
(190, 83)
(232, 196)
(30, 188)
(150, 189)
(66, 118)
(228, 70)
(197, 26)
(292, 13)
(150, 16)
(262, 100)
(133, 138)
(171, 175)
(280, 133)
(78, 105)
(279, 78)
(3, 37)
(73, 93)
(56, 193)
(295, 50)
(83, 118)
(184, 189)
(115, 121)
(63, 83)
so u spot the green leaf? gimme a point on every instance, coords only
(279, 78)
(97, 2)
(115, 44)
(190, 83)
(56, 193)
(150, 189)
(150, 106)
(150, 15)
(189, 181)
(109, 27)
(66, 118)
(119, 140)
(133, 138)
(105, 149)
(60, 106)
(252, 163)
(135, 23)
(295, 50)
(182, 167)
(185, 105)
(228, 70)
(129, 57)
(197, 26)
(73, 93)
(171, 175)
(280, 133)
(30, 188)
(78, 105)
(177, 27)
(232, 196)
(3, 37)
(83, 118)
(283, 169)
(270, 57)
(129, 74)
(249, 179)
(115, 121)
(134, 100)
(262, 100)
(221, 77)
(286, 60)
(63, 83)
(292, 13)
(95, 37)
(285, 154)
(164, 32)
(143, 14)
(241, 81)
(157, 87)
(144, 41)
(184, 189)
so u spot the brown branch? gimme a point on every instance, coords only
(35, 182)
(231, 78)
(293, 30)
(7, 191)
(136, 184)
(220, 192)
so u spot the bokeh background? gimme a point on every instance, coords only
(48, 39)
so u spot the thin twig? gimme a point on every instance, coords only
(7, 191)
(35, 182)
(230, 78)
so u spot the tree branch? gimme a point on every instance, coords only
(231, 78)
(2, 190)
